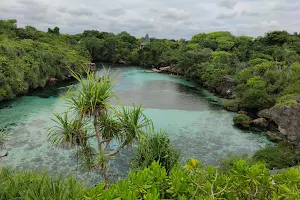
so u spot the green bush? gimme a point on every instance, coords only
(226, 163)
(157, 148)
(279, 156)
(193, 181)
(25, 185)
(242, 120)
(287, 100)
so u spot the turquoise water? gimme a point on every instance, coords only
(193, 120)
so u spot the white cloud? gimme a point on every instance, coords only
(270, 24)
(227, 15)
(286, 7)
(164, 19)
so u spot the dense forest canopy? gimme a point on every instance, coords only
(265, 70)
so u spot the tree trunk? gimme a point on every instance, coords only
(97, 133)
(101, 152)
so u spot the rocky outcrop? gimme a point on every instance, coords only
(225, 88)
(261, 122)
(275, 136)
(287, 119)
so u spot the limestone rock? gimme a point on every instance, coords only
(52, 80)
(287, 119)
(260, 122)
(243, 112)
(226, 88)
(275, 137)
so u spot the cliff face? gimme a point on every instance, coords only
(288, 120)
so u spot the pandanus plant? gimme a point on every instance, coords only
(94, 118)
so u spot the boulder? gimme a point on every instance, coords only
(262, 122)
(275, 137)
(52, 80)
(287, 119)
(243, 112)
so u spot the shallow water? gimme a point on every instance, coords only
(194, 121)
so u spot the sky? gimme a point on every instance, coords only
(172, 19)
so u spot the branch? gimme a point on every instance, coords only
(108, 141)
(4, 155)
(118, 150)
(89, 136)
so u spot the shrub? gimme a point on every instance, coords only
(226, 163)
(25, 185)
(230, 103)
(287, 100)
(242, 120)
(155, 148)
(193, 181)
(279, 156)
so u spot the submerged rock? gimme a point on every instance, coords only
(287, 119)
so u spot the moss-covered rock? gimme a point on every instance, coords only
(242, 120)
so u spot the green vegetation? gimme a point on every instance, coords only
(95, 119)
(242, 120)
(193, 181)
(279, 156)
(287, 100)
(28, 58)
(263, 68)
(265, 71)
(156, 147)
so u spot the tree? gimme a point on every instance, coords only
(95, 118)
(55, 31)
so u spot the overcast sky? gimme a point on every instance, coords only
(160, 18)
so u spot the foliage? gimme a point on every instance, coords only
(193, 181)
(264, 68)
(226, 163)
(28, 58)
(230, 103)
(278, 157)
(287, 100)
(242, 120)
(157, 148)
(95, 119)
(24, 185)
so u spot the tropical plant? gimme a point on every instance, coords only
(95, 118)
(156, 147)
(278, 156)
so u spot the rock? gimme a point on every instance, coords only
(287, 119)
(122, 62)
(232, 108)
(275, 137)
(52, 80)
(260, 122)
(226, 88)
(243, 112)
